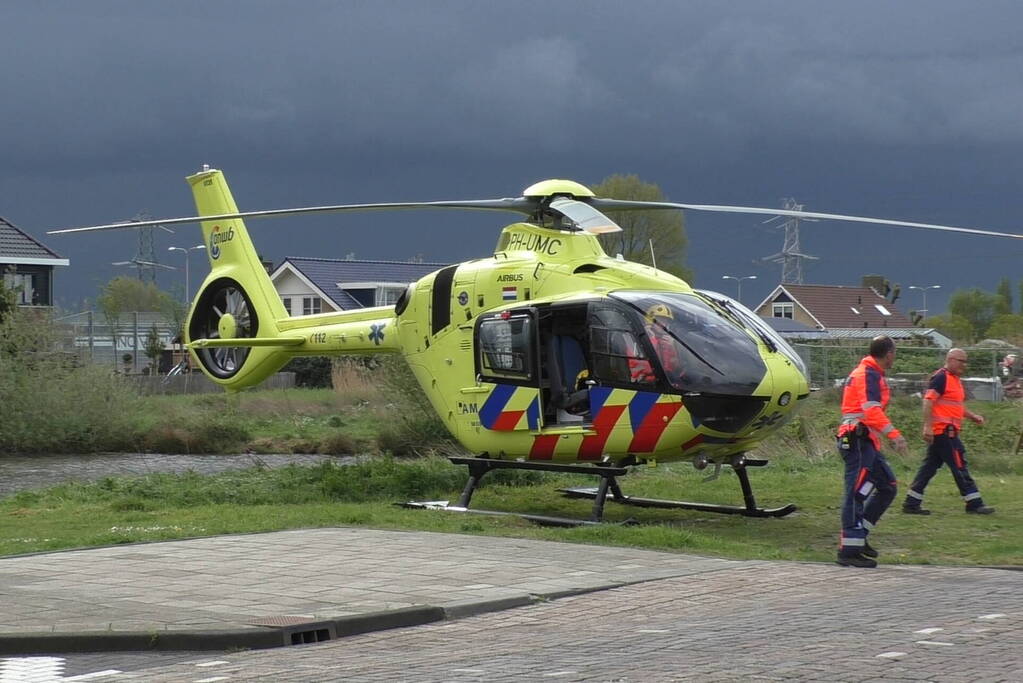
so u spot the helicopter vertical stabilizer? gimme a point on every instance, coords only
(237, 300)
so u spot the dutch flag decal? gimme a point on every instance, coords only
(509, 293)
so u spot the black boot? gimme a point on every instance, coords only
(868, 551)
(915, 510)
(858, 560)
(981, 510)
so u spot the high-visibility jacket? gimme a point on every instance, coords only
(946, 394)
(640, 369)
(864, 400)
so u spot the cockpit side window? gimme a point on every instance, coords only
(617, 354)
(505, 347)
(700, 348)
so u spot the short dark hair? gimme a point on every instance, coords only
(880, 346)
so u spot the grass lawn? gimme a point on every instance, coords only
(162, 507)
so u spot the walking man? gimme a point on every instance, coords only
(943, 419)
(870, 484)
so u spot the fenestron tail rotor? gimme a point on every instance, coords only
(223, 311)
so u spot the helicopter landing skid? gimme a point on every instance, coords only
(750, 508)
(478, 467)
(540, 520)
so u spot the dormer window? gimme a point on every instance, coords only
(783, 309)
(388, 296)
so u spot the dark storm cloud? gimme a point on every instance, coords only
(907, 109)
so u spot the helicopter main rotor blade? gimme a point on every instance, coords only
(525, 205)
(626, 205)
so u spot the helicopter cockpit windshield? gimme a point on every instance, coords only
(699, 349)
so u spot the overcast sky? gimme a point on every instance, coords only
(909, 110)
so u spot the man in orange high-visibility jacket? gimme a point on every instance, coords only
(943, 419)
(870, 485)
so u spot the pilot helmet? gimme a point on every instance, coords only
(657, 311)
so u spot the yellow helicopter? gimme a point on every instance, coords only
(548, 355)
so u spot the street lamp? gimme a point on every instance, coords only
(738, 282)
(185, 251)
(923, 290)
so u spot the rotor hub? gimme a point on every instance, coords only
(227, 327)
(551, 188)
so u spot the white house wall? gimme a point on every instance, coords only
(290, 285)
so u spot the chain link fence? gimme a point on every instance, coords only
(830, 364)
(122, 345)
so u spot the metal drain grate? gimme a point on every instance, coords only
(317, 635)
(298, 630)
(282, 620)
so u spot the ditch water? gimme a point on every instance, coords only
(20, 472)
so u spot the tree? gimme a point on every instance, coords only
(123, 294)
(1004, 293)
(1008, 327)
(955, 327)
(664, 229)
(976, 306)
(8, 300)
(153, 349)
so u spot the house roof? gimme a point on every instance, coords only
(834, 306)
(788, 325)
(17, 246)
(938, 338)
(327, 274)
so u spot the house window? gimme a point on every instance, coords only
(286, 300)
(23, 286)
(310, 305)
(388, 296)
(782, 310)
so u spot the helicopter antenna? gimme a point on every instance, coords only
(790, 255)
(653, 258)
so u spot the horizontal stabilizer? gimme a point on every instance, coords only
(246, 341)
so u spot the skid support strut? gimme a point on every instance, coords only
(479, 467)
(748, 509)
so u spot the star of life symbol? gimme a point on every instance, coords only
(376, 333)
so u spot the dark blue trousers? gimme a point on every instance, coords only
(945, 450)
(870, 488)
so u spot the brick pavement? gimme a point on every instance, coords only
(656, 616)
(783, 621)
(180, 594)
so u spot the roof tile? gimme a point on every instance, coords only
(847, 307)
(15, 242)
(326, 273)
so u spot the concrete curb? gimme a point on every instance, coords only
(254, 638)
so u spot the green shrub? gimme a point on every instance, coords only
(51, 403)
(339, 444)
(311, 372)
(414, 428)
